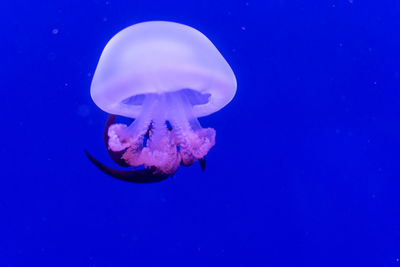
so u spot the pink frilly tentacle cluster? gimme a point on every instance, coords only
(149, 142)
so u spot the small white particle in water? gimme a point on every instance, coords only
(333, 5)
(243, 28)
(397, 260)
(66, 84)
(54, 31)
(351, 1)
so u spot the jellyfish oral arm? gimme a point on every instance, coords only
(164, 148)
(149, 175)
(115, 156)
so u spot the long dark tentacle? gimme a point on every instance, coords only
(115, 156)
(202, 162)
(144, 176)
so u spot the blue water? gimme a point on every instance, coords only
(306, 166)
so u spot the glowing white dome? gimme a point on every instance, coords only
(159, 57)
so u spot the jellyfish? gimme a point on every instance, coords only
(164, 76)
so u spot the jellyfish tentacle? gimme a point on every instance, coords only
(144, 176)
(180, 127)
(161, 151)
(202, 162)
(141, 124)
(122, 136)
(164, 136)
(116, 156)
(156, 150)
(193, 140)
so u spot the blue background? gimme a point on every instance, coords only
(305, 170)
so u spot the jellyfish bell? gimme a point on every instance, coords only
(161, 57)
(164, 75)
